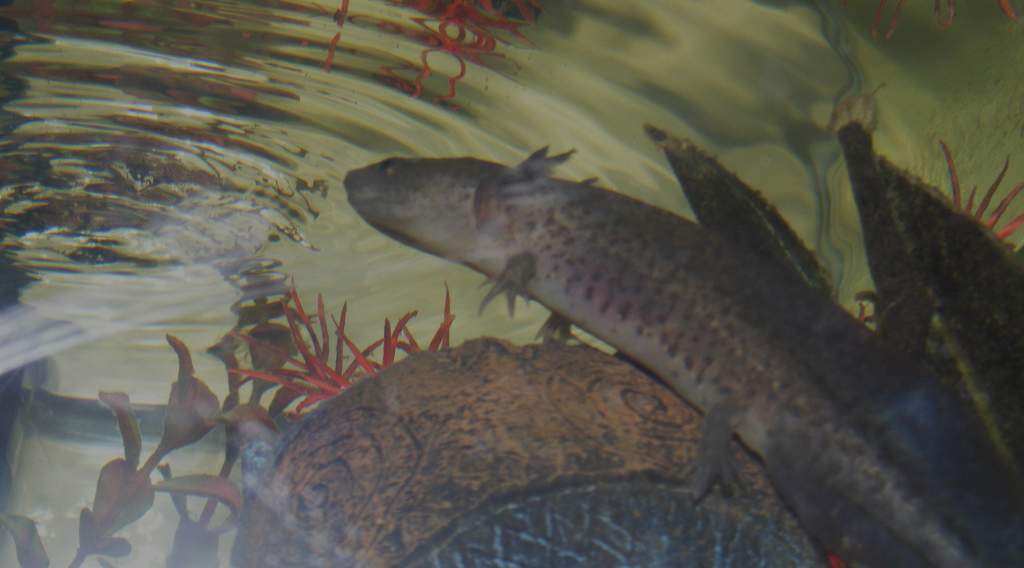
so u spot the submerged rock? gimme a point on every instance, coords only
(492, 454)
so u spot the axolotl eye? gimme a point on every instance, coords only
(387, 167)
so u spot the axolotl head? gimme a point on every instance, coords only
(424, 203)
(441, 206)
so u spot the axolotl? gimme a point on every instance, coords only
(880, 463)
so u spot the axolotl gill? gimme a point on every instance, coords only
(880, 463)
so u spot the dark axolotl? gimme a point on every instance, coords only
(881, 464)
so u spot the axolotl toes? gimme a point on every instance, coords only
(882, 465)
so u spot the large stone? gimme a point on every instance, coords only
(496, 455)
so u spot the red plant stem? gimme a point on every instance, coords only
(992, 190)
(274, 379)
(339, 332)
(998, 213)
(950, 13)
(312, 362)
(895, 18)
(304, 318)
(339, 18)
(1007, 9)
(325, 344)
(1011, 227)
(389, 345)
(953, 179)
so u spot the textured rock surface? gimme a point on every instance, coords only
(496, 455)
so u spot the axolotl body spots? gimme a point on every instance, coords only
(880, 463)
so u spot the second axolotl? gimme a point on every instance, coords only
(881, 464)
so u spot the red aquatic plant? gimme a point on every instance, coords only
(311, 377)
(944, 20)
(978, 213)
(339, 18)
(463, 29)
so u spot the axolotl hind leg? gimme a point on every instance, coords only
(714, 462)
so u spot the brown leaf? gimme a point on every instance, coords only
(282, 398)
(279, 340)
(27, 544)
(87, 536)
(209, 486)
(115, 547)
(247, 413)
(123, 495)
(127, 423)
(191, 407)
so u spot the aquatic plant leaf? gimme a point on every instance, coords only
(90, 541)
(27, 544)
(127, 423)
(194, 546)
(115, 547)
(722, 202)
(123, 495)
(209, 486)
(274, 335)
(179, 501)
(247, 413)
(192, 406)
(282, 398)
(442, 336)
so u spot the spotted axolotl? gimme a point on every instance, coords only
(880, 463)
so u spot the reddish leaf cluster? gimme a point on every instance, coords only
(977, 213)
(464, 29)
(310, 376)
(944, 20)
(124, 491)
